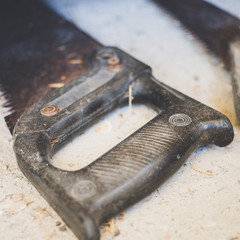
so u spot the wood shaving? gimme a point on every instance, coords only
(130, 98)
(58, 223)
(162, 202)
(28, 203)
(63, 228)
(201, 171)
(75, 61)
(55, 85)
(43, 211)
(109, 226)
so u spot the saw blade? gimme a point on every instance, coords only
(219, 30)
(215, 27)
(40, 51)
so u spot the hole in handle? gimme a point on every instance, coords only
(102, 136)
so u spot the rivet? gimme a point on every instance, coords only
(106, 55)
(50, 110)
(113, 61)
(114, 64)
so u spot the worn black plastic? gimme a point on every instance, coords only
(132, 169)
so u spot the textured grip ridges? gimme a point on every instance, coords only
(132, 155)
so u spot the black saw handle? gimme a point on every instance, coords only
(132, 169)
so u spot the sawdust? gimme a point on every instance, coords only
(12, 204)
(110, 227)
(28, 203)
(104, 126)
(43, 212)
(237, 237)
(17, 197)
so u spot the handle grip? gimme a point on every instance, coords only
(132, 169)
(138, 165)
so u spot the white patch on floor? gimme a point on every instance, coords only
(202, 200)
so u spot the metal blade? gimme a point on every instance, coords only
(39, 49)
(212, 25)
(219, 30)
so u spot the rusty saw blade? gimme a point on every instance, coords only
(219, 30)
(39, 51)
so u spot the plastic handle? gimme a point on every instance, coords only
(132, 169)
(144, 160)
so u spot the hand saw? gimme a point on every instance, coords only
(219, 30)
(128, 172)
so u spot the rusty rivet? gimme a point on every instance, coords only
(114, 65)
(106, 55)
(50, 110)
(113, 61)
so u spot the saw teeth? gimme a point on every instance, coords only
(192, 36)
(5, 105)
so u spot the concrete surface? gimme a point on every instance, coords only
(202, 200)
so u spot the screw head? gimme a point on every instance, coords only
(50, 110)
